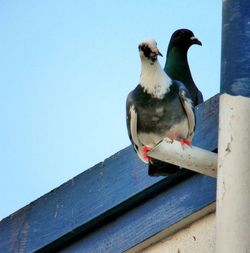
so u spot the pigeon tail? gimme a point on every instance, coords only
(158, 168)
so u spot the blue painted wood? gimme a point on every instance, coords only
(96, 196)
(143, 221)
(75, 203)
(235, 58)
(207, 121)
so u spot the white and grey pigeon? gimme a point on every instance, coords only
(157, 108)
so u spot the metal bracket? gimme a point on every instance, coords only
(192, 158)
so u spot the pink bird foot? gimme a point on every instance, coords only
(144, 151)
(183, 142)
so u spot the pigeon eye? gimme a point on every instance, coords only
(142, 47)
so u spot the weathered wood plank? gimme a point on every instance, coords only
(207, 120)
(144, 221)
(96, 195)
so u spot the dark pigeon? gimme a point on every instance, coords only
(177, 66)
(157, 108)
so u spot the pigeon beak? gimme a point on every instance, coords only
(194, 40)
(159, 53)
(156, 51)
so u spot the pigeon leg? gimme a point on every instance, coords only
(144, 151)
(183, 142)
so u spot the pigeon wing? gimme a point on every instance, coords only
(187, 104)
(132, 124)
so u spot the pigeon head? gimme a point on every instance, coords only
(148, 50)
(183, 39)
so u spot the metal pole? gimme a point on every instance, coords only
(235, 57)
(196, 159)
(233, 192)
(233, 198)
(233, 178)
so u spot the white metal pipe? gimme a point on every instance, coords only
(233, 179)
(196, 159)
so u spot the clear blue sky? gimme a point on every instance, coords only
(66, 69)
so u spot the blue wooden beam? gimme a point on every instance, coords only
(167, 208)
(235, 58)
(102, 194)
